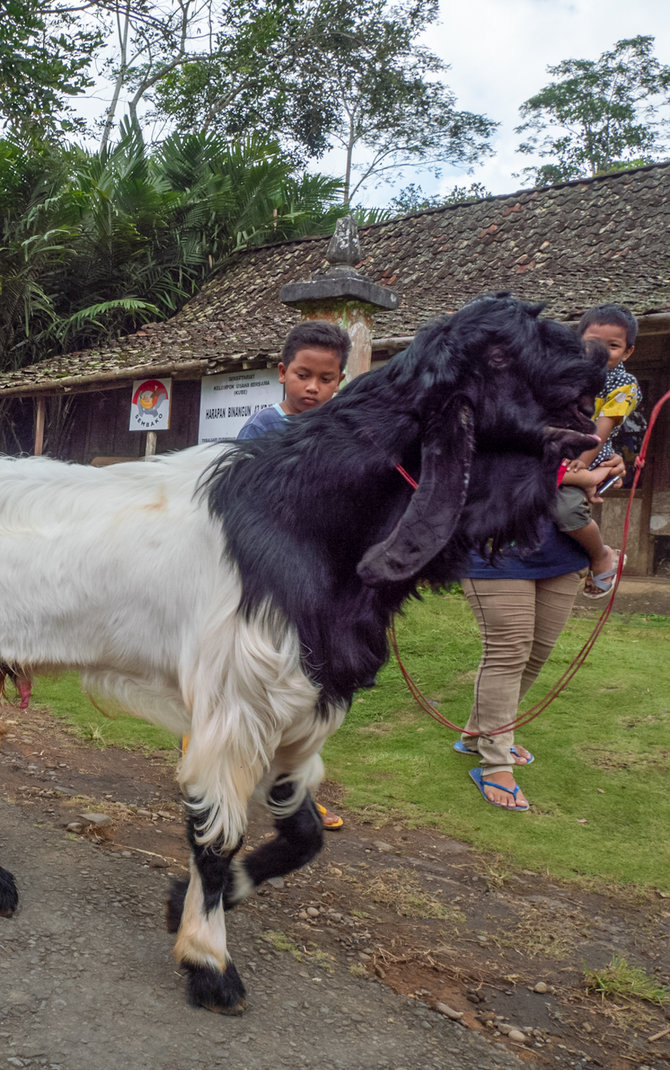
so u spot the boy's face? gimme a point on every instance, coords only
(310, 379)
(614, 337)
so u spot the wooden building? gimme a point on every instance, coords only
(569, 246)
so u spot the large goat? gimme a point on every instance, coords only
(241, 593)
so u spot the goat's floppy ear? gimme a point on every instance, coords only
(432, 514)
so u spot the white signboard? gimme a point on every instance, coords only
(150, 405)
(227, 401)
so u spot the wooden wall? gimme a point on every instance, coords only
(97, 425)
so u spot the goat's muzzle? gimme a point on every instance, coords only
(570, 443)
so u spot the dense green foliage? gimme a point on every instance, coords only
(598, 115)
(336, 74)
(94, 244)
(46, 53)
(311, 74)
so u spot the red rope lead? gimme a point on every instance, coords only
(580, 658)
(405, 475)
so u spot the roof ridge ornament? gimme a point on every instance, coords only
(340, 281)
(344, 248)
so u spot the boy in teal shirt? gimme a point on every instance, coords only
(311, 369)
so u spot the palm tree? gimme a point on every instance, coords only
(103, 242)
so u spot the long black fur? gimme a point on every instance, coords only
(303, 507)
(9, 896)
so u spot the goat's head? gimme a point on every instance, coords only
(501, 397)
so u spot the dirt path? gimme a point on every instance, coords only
(356, 962)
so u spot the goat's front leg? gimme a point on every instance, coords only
(9, 897)
(200, 949)
(299, 838)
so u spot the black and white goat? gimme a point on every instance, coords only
(241, 593)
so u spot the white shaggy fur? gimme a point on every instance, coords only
(117, 572)
(202, 935)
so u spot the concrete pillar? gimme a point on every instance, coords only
(343, 295)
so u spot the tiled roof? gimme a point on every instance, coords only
(570, 246)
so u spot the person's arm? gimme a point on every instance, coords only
(582, 477)
(604, 427)
(589, 479)
(619, 403)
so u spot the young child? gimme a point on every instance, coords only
(312, 367)
(616, 328)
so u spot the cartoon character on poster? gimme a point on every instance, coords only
(150, 408)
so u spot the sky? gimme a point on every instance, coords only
(499, 51)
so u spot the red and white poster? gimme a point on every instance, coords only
(150, 406)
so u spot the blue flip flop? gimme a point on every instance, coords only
(478, 777)
(461, 748)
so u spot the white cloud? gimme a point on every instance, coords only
(499, 51)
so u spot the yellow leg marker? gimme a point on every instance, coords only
(184, 745)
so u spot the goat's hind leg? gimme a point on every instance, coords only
(299, 839)
(213, 980)
(296, 768)
(9, 896)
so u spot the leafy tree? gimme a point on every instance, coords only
(250, 77)
(337, 75)
(98, 243)
(316, 74)
(391, 108)
(222, 66)
(413, 199)
(598, 115)
(45, 56)
(150, 41)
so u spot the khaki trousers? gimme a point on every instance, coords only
(519, 622)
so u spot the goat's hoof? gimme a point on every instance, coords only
(9, 897)
(221, 992)
(174, 905)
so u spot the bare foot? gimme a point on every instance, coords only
(504, 798)
(520, 756)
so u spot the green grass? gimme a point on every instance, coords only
(599, 788)
(64, 697)
(620, 980)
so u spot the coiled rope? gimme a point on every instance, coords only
(580, 658)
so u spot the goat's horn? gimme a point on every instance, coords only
(432, 514)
